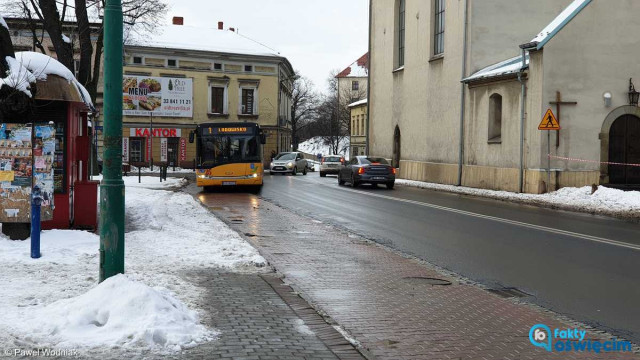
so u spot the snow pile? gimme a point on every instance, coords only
(164, 222)
(41, 65)
(168, 235)
(117, 312)
(317, 145)
(603, 201)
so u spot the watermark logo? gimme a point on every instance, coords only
(564, 340)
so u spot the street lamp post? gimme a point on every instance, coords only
(112, 186)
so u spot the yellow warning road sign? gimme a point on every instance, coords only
(549, 122)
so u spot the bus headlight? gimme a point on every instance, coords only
(254, 176)
(290, 165)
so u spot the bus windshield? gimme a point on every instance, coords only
(222, 149)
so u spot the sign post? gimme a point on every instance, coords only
(112, 186)
(549, 122)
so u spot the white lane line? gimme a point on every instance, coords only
(505, 221)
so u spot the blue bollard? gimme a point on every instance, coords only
(36, 201)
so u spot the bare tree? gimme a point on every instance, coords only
(304, 101)
(14, 104)
(139, 16)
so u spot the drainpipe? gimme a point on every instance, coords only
(523, 94)
(366, 146)
(462, 94)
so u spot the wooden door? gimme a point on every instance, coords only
(624, 147)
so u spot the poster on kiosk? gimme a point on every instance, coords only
(26, 160)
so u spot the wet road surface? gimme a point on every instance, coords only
(579, 265)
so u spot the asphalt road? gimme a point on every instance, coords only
(584, 266)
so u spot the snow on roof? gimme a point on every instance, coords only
(359, 68)
(510, 66)
(201, 39)
(3, 23)
(559, 22)
(18, 76)
(41, 65)
(360, 102)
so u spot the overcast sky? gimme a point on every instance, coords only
(315, 35)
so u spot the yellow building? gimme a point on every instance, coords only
(358, 137)
(182, 76)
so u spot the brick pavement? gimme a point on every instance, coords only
(384, 299)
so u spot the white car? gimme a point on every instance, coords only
(331, 164)
(288, 163)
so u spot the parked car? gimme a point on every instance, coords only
(288, 163)
(367, 170)
(331, 164)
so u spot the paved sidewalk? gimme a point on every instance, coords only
(387, 302)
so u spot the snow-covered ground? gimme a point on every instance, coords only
(605, 201)
(317, 145)
(55, 301)
(156, 170)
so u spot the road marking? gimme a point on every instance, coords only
(505, 221)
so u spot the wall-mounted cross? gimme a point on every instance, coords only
(558, 103)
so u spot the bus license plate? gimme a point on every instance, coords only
(224, 183)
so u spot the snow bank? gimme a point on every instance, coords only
(149, 182)
(317, 145)
(604, 201)
(117, 312)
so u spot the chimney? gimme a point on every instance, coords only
(178, 20)
(232, 29)
(220, 25)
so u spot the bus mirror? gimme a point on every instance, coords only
(191, 136)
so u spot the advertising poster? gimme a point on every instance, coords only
(125, 150)
(163, 149)
(183, 149)
(157, 96)
(18, 155)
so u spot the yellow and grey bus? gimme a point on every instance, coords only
(228, 154)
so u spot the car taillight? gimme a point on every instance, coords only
(322, 161)
(393, 170)
(342, 161)
(362, 170)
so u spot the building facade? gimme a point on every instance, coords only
(221, 77)
(358, 138)
(453, 102)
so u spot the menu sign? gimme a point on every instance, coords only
(157, 96)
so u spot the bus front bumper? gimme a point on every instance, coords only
(249, 180)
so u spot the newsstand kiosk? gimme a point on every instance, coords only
(59, 153)
(75, 196)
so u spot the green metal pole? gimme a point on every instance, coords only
(112, 186)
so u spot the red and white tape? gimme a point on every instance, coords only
(590, 161)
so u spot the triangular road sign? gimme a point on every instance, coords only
(549, 122)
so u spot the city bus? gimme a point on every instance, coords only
(228, 154)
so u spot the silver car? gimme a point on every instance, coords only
(288, 163)
(331, 164)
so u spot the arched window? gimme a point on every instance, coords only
(495, 118)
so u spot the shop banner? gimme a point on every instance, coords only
(157, 132)
(183, 149)
(157, 96)
(163, 149)
(125, 149)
